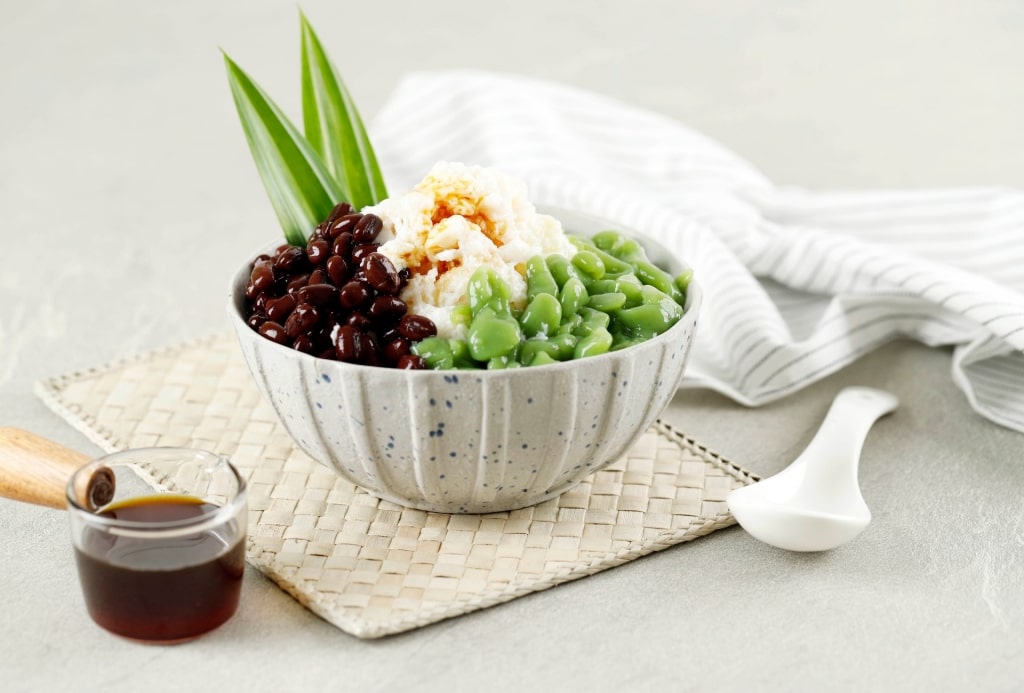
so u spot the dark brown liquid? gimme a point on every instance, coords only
(168, 589)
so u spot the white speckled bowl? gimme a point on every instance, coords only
(471, 441)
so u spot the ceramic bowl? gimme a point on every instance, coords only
(471, 441)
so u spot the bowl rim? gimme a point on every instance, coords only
(691, 310)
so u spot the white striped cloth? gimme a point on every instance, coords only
(797, 284)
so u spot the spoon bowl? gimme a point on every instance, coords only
(815, 503)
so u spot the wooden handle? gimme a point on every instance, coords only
(34, 469)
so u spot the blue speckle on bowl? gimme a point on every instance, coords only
(326, 378)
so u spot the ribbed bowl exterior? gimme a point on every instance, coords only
(467, 441)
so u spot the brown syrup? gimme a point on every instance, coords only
(161, 589)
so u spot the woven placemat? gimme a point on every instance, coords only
(368, 566)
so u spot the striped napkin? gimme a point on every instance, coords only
(797, 284)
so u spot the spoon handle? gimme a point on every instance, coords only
(836, 447)
(34, 469)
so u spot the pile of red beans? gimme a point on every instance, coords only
(337, 298)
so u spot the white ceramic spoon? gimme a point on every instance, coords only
(815, 503)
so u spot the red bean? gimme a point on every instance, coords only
(380, 273)
(359, 321)
(346, 344)
(274, 332)
(304, 344)
(342, 245)
(337, 270)
(318, 276)
(289, 259)
(318, 294)
(369, 349)
(411, 362)
(279, 309)
(262, 276)
(367, 228)
(340, 210)
(344, 224)
(416, 327)
(317, 252)
(396, 349)
(255, 320)
(354, 294)
(386, 310)
(362, 250)
(302, 320)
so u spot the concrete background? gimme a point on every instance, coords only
(128, 196)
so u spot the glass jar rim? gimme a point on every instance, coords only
(133, 458)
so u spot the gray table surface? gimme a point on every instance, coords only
(128, 196)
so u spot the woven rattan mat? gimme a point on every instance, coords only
(371, 567)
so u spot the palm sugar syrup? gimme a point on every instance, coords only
(161, 586)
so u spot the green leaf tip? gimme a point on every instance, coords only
(333, 126)
(305, 175)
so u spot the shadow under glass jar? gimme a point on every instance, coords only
(159, 566)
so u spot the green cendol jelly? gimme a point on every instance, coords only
(608, 296)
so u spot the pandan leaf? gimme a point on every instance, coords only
(333, 126)
(299, 184)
